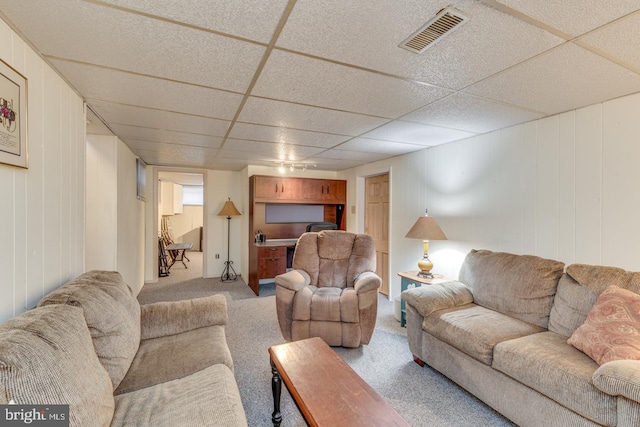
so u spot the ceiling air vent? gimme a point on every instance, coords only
(433, 31)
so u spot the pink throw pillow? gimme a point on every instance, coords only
(612, 328)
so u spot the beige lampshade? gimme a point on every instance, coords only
(426, 228)
(229, 209)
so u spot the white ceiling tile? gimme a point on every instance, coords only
(349, 155)
(145, 117)
(275, 151)
(379, 146)
(251, 19)
(183, 158)
(575, 77)
(609, 39)
(329, 164)
(131, 42)
(285, 135)
(291, 77)
(130, 89)
(470, 113)
(416, 133)
(221, 163)
(574, 17)
(182, 177)
(368, 34)
(295, 116)
(336, 87)
(168, 136)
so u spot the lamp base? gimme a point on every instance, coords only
(425, 274)
(228, 274)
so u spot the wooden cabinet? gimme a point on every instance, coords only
(170, 198)
(273, 188)
(324, 191)
(272, 260)
(269, 189)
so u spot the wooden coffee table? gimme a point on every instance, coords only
(327, 391)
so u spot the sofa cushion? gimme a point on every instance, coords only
(475, 330)
(521, 286)
(176, 356)
(206, 398)
(612, 329)
(47, 357)
(578, 290)
(163, 318)
(112, 314)
(547, 364)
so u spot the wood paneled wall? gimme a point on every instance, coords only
(42, 214)
(564, 187)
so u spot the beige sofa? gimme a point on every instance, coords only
(90, 344)
(501, 333)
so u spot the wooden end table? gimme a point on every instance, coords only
(327, 391)
(409, 278)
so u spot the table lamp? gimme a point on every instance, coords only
(228, 210)
(426, 228)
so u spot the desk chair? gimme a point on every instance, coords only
(319, 226)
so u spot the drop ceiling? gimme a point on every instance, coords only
(324, 83)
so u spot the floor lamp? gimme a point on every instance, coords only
(228, 210)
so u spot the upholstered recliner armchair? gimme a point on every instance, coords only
(332, 291)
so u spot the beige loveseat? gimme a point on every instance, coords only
(501, 333)
(90, 344)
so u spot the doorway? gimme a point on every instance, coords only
(181, 221)
(376, 223)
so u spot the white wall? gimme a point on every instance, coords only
(563, 187)
(42, 215)
(115, 217)
(131, 221)
(101, 244)
(219, 185)
(186, 226)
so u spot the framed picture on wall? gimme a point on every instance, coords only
(13, 117)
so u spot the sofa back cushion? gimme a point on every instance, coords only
(112, 314)
(334, 258)
(47, 357)
(578, 290)
(521, 286)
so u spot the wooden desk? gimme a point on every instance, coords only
(177, 252)
(267, 260)
(328, 392)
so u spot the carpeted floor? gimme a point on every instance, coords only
(421, 395)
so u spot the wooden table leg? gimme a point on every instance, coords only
(276, 387)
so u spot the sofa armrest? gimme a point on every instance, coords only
(170, 318)
(619, 378)
(293, 280)
(429, 298)
(367, 281)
